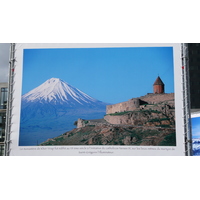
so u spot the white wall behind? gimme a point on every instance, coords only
(4, 61)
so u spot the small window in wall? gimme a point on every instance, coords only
(1, 133)
(2, 126)
(1, 150)
(3, 98)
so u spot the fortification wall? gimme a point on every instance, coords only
(134, 103)
(157, 98)
(142, 118)
(130, 105)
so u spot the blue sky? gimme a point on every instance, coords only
(196, 127)
(111, 75)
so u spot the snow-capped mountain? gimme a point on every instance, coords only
(196, 147)
(52, 108)
(56, 91)
(56, 97)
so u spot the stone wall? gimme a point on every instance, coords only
(80, 123)
(130, 105)
(157, 98)
(124, 119)
(134, 103)
(162, 115)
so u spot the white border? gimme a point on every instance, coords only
(52, 151)
(195, 114)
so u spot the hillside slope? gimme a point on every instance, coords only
(116, 135)
(143, 127)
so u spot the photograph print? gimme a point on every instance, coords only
(98, 96)
(195, 122)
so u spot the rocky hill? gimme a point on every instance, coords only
(161, 114)
(141, 127)
(103, 134)
(151, 124)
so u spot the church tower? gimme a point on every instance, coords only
(158, 86)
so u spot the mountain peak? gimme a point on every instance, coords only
(54, 79)
(57, 91)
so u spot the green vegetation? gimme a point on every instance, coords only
(84, 140)
(155, 111)
(147, 111)
(59, 139)
(158, 119)
(165, 126)
(120, 113)
(154, 120)
(169, 140)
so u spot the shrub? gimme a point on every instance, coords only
(154, 120)
(120, 113)
(169, 140)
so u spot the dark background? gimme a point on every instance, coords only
(194, 73)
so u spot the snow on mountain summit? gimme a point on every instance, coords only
(57, 91)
